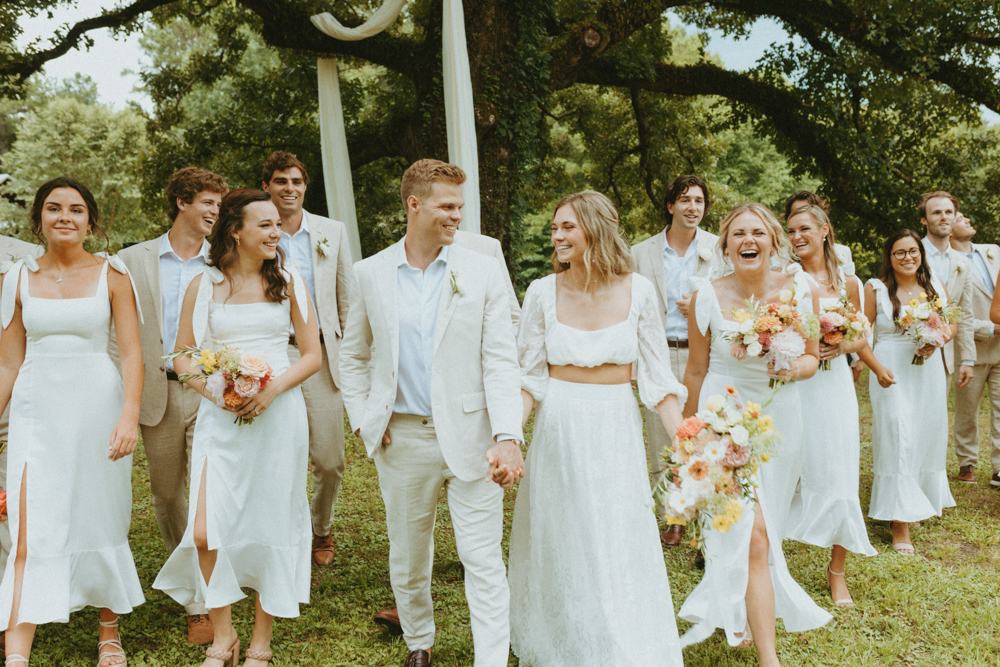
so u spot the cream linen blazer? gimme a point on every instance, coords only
(960, 288)
(987, 345)
(475, 378)
(332, 277)
(487, 245)
(11, 248)
(647, 261)
(143, 262)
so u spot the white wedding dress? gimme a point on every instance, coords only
(587, 576)
(909, 424)
(719, 601)
(257, 511)
(67, 398)
(826, 510)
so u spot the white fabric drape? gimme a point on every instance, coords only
(459, 113)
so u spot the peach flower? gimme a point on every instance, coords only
(689, 428)
(253, 364)
(246, 386)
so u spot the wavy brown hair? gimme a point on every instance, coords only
(224, 252)
(607, 253)
(888, 276)
(93, 212)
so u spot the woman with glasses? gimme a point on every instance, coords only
(909, 422)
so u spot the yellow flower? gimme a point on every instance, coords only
(742, 315)
(752, 410)
(938, 302)
(674, 521)
(765, 457)
(722, 523)
(914, 303)
(923, 295)
(206, 359)
(766, 423)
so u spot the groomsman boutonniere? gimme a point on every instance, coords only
(453, 279)
(991, 254)
(705, 254)
(322, 247)
(959, 268)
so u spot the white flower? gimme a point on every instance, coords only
(785, 295)
(793, 268)
(216, 385)
(704, 415)
(740, 435)
(322, 247)
(746, 326)
(714, 403)
(786, 347)
(705, 254)
(718, 424)
(923, 311)
(755, 348)
(836, 319)
(733, 416)
(857, 326)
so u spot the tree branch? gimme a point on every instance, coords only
(642, 125)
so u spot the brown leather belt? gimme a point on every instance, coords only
(173, 376)
(679, 344)
(293, 343)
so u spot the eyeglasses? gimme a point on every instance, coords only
(901, 254)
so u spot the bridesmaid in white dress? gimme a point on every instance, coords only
(826, 511)
(70, 459)
(909, 428)
(587, 577)
(747, 584)
(248, 522)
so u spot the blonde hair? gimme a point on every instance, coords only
(607, 253)
(774, 228)
(420, 175)
(819, 216)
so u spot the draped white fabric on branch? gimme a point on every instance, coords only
(459, 113)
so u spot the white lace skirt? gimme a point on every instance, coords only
(587, 576)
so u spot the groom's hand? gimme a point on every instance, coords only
(506, 463)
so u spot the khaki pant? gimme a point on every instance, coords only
(656, 436)
(168, 452)
(967, 400)
(411, 474)
(325, 407)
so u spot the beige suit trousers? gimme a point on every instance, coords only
(967, 401)
(325, 409)
(656, 435)
(168, 451)
(411, 473)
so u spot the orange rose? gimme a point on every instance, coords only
(834, 337)
(689, 428)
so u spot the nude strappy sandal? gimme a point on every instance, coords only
(230, 657)
(115, 643)
(14, 657)
(263, 656)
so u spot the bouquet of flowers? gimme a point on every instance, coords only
(777, 332)
(842, 324)
(231, 376)
(713, 465)
(926, 322)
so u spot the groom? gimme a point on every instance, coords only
(431, 383)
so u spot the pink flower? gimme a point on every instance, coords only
(764, 338)
(736, 456)
(246, 386)
(826, 323)
(738, 351)
(216, 385)
(934, 321)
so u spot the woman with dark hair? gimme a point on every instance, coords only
(248, 522)
(909, 423)
(56, 314)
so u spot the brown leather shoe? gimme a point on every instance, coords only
(389, 619)
(995, 480)
(672, 536)
(419, 658)
(967, 475)
(200, 629)
(323, 549)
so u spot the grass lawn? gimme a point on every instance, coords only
(940, 608)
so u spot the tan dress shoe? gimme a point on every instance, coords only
(672, 536)
(389, 619)
(967, 474)
(200, 629)
(323, 549)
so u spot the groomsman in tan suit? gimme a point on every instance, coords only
(161, 270)
(676, 260)
(431, 385)
(319, 247)
(938, 211)
(984, 261)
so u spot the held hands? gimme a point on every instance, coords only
(506, 464)
(124, 439)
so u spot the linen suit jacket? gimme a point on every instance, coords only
(487, 245)
(987, 345)
(332, 277)
(475, 378)
(143, 262)
(960, 288)
(647, 261)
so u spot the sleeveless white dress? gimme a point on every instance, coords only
(719, 601)
(257, 511)
(909, 425)
(826, 509)
(588, 583)
(67, 398)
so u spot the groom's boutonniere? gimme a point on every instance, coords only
(705, 254)
(454, 283)
(322, 247)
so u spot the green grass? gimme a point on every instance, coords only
(940, 608)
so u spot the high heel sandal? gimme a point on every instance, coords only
(113, 643)
(843, 603)
(263, 656)
(13, 657)
(230, 657)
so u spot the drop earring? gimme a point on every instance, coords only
(237, 241)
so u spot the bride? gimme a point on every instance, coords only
(587, 577)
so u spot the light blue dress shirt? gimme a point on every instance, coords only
(676, 271)
(980, 269)
(938, 262)
(175, 276)
(298, 249)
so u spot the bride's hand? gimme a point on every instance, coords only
(255, 406)
(829, 352)
(124, 439)
(927, 350)
(785, 375)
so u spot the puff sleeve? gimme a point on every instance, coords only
(531, 343)
(654, 376)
